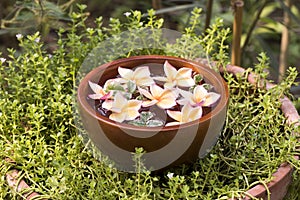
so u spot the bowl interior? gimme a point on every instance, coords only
(110, 70)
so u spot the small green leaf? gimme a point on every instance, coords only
(131, 86)
(115, 87)
(198, 78)
(145, 116)
(154, 123)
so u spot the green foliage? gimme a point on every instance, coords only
(36, 15)
(39, 137)
(147, 119)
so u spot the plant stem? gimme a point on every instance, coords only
(237, 32)
(156, 4)
(252, 26)
(285, 38)
(208, 13)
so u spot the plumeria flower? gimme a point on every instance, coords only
(199, 97)
(182, 77)
(163, 98)
(140, 76)
(122, 109)
(188, 113)
(99, 92)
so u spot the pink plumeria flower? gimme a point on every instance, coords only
(199, 97)
(163, 98)
(122, 109)
(140, 76)
(188, 113)
(182, 77)
(99, 92)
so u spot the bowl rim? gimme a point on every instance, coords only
(222, 103)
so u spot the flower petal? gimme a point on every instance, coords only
(188, 96)
(184, 72)
(125, 73)
(186, 109)
(145, 81)
(95, 96)
(186, 82)
(184, 77)
(118, 117)
(134, 104)
(170, 71)
(149, 103)
(156, 91)
(166, 103)
(173, 123)
(169, 85)
(211, 98)
(97, 89)
(199, 93)
(119, 103)
(111, 82)
(182, 101)
(160, 78)
(146, 93)
(141, 72)
(176, 115)
(195, 113)
(107, 104)
(132, 114)
(141, 75)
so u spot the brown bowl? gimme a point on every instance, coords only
(164, 146)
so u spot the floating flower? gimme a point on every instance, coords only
(122, 109)
(125, 94)
(182, 77)
(99, 92)
(199, 97)
(140, 76)
(163, 98)
(187, 114)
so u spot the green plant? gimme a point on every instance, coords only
(36, 15)
(40, 139)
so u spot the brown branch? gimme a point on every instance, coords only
(156, 4)
(237, 32)
(208, 13)
(285, 38)
(253, 24)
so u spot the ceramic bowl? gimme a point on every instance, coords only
(164, 146)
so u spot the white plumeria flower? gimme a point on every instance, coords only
(187, 114)
(99, 92)
(163, 98)
(140, 76)
(182, 77)
(122, 109)
(199, 97)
